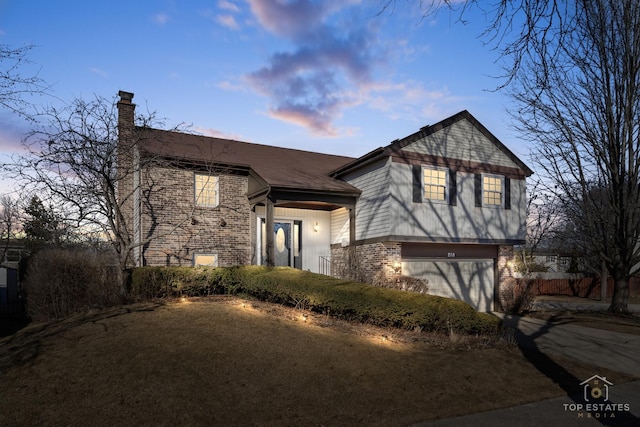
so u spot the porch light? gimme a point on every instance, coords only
(316, 227)
(396, 267)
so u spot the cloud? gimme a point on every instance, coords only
(313, 83)
(217, 133)
(99, 72)
(160, 18)
(229, 6)
(224, 15)
(228, 21)
(411, 99)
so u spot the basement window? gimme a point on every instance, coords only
(208, 260)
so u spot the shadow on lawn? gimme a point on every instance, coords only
(559, 375)
(24, 344)
(9, 326)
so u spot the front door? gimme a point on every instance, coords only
(282, 243)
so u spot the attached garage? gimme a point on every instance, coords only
(464, 272)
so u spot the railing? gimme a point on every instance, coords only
(325, 266)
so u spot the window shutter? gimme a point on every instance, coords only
(477, 187)
(417, 183)
(507, 193)
(453, 188)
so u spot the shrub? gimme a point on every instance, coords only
(340, 298)
(517, 295)
(59, 282)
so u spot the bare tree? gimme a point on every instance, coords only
(9, 221)
(573, 68)
(580, 105)
(542, 222)
(70, 160)
(14, 85)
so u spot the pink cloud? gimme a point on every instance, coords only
(313, 83)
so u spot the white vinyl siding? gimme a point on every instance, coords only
(340, 226)
(462, 141)
(373, 207)
(436, 221)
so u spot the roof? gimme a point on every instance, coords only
(280, 167)
(397, 145)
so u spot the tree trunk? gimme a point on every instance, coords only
(620, 296)
(604, 280)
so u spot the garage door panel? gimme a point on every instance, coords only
(469, 281)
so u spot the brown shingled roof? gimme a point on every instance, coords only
(279, 167)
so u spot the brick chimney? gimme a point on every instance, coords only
(126, 112)
(128, 189)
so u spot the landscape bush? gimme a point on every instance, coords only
(336, 297)
(517, 295)
(59, 282)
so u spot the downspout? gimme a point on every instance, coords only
(137, 216)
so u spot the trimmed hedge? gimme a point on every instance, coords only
(340, 298)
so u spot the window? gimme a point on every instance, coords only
(491, 190)
(209, 260)
(206, 190)
(434, 184)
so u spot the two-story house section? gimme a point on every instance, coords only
(448, 203)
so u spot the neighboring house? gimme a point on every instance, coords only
(446, 204)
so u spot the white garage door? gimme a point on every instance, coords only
(468, 280)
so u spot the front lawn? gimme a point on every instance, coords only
(229, 361)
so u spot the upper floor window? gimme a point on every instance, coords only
(434, 184)
(491, 190)
(207, 192)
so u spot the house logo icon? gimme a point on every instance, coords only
(596, 388)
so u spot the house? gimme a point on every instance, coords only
(446, 204)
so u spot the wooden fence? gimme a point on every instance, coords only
(586, 287)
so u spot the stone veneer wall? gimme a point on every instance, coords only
(182, 229)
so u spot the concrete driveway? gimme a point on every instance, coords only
(579, 304)
(612, 350)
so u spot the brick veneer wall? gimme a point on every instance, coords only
(182, 229)
(370, 262)
(505, 275)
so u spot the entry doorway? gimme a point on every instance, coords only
(287, 242)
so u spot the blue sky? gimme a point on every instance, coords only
(334, 76)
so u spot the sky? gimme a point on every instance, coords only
(335, 76)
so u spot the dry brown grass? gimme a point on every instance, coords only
(226, 361)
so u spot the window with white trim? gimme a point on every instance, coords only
(492, 190)
(434, 184)
(208, 260)
(207, 192)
